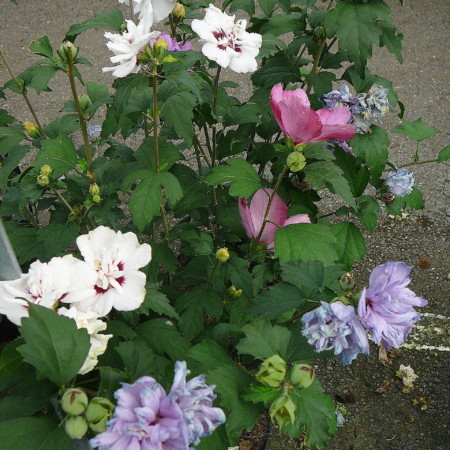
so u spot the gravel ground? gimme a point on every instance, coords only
(391, 419)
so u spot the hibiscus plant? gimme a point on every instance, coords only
(165, 225)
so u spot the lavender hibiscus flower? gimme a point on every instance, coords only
(400, 182)
(172, 44)
(334, 326)
(386, 306)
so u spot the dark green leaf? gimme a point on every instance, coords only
(9, 139)
(367, 212)
(63, 125)
(11, 360)
(11, 162)
(59, 154)
(56, 237)
(416, 130)
(444, 154)
(41, 46)
(158, 302)
(238, 271)
(350, 243)
(278, 69)
(111, 20)
(110, 380)
(261, 394)
(392, 39)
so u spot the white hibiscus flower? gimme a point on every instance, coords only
(151, 11)
(126, 48)
(99, 342)
(117, 259)
(227, 43)
(64, 279)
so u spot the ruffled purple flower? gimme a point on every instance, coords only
(341, 97)
(386, 306)
(172, 44)
(342, 143)
(400, 182)
(94, 132)
(334, 326)
(195, 399)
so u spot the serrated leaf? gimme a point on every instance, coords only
(111, 20)
(60, 154)
(270, 45)
(350, 243)
(41, 46)
(308, 242)
(244, 178)
(392, 39)
(264, 340)
(237, 271)
(62, 125)
(416, 130)
(9, 139)
(53, 344)
(38, 75)
(158, 302)
(367, 212)
(56, 237)
(279, 69)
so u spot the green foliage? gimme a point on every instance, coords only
(416, 130)
(112, 20)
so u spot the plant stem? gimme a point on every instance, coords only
(23, 93)
(87, 146)
(413, 163)
(64, 202)
(214, 136)
(200, 149)
(317, 57)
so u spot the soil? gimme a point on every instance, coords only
(379, 413)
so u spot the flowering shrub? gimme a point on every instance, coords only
(206, 244)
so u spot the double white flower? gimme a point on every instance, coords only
(226, 42)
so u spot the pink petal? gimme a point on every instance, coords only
(335, 132)
(298, 218)
(335, 116)
(246, 218)
(301, 123)
(276, 95)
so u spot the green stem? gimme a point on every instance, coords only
(23, 93)
(413, 163)
(30, 217)
(198, 147)
(214, 136)
(66, 204)
(83, 125)
(317, 57)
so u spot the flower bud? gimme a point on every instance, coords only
(43, 180)
(46, 170)
(302, 375)
(347, 281)
(76, 427)
(179, 11)
(222, 254)
(159, 48)
(74, 401)
(84, 102)
(389, 198)
(296, 161)
(235, 292)
(319, 32)
(67, 52)
(94, 189)
(282, 410)
(32, 129)
(96, 198)
(272, 371)
(98, 413)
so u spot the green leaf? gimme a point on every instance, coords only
(373, 147)
(261, 394)
(11, 162)
(416, 130)
(264, 340)
(247, 5)
(392, 39)
(279, 69)
(33, 433)
(278, 299)
(326, 173)
(322, 82)
(62, 125)
(299, 349)
(356, 174)
(279, 24)
(9, 139)
(110, 380)
(357, 27)
(270, 45)
(414, 199)
(41, 46)
(111, 20)
(23, 240)
(59, 154)
(11, 360)
(163, 337)
(53, 344)
(39, 75)
(238, 271)
(267, 6)
(308, 242)
(158, 302)
(350, 243)
(56, 237)
(444, 154)
(367, 211)
(244, 178)
(5, 118)
(145, 200)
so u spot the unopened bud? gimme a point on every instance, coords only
(235, 292)
(159, 48)
(67, 52)
(76, 427)
(98, 412)
(347, 281)
(272, 371)
(222, 254)
(43, 180)
(179, 11)
(96, 198)
(302, 375)
(389, 198)
(32, 129)
(319, 32)
(46, 170)
(84, 102)
(94, 189)
(74, 401)
(282, 410)
(296, 161)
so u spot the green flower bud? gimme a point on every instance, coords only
(296, 161)
(319, 32)
(179, 12)
(159, 48)
(46, 170)
(222, 254)
(302, 375)
(74, 401)
(272, 371)
(43, 180)
(282, 410)
(96, 198)
(32, 129)
(235, 292)
(347, 281)
(76, 427)
(67, 52)
(84, 102)
(94, 189)
(98, 412)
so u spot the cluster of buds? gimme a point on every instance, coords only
(234, 293)
(83, 414)
(43, 178)
(273, 374)
(94, 190)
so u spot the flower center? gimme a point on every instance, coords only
(110, 275)
(229, 40)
